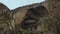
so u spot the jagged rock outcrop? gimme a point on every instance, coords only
(39, 18)
(5, 19)
(33, 15)
(52, 23)
(27, 17)
(19, 13)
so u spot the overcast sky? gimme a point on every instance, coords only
(12, 4)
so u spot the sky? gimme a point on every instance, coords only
(12, 4)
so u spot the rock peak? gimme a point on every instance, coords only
(3, 6)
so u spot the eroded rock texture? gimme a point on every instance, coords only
(39, 18)
(5, 19)
(28, 17)
(53, 20)
(33, 15)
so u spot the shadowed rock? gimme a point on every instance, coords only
(27, 17)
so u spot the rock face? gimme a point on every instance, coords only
(5, 19)
(36, 9)
(33, 15)
(39, 18)
(28, 17)
(53, 20)
(19, 13)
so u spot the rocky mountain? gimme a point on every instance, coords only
(19, 13)
(27, 17)
(38, 18)
(5, 19)
(49, 21)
